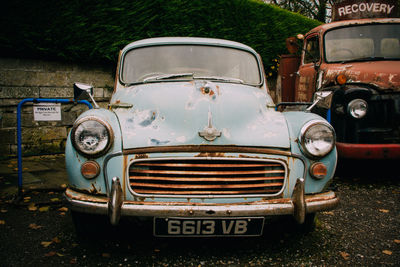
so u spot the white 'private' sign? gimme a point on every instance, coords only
(47, 112)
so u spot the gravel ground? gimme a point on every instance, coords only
(363, 231)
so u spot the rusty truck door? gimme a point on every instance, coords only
(305, 83)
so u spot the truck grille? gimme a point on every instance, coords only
(199, 176)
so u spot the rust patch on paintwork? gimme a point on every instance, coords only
(210, 154)
(382, 74)
(88, 192)
(81, 195)
(265, 201)
(93, 190)
(207, 148)
(320, 197)
(141, 156)
(78, 157)
(84, 195)
(207, 91)
(124, 167)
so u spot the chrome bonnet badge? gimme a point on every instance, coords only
(210, 133)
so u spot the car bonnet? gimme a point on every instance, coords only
(197, 113)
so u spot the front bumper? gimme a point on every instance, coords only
(115, 207)
(368, 151)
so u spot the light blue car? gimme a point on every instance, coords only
(192, 140)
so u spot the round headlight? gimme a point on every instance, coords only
(357, 108)
(91, 136)
(317, 138)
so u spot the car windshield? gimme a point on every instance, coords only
(363, 43)
(167, 62)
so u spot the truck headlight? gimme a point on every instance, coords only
(317, 138)
(357, 108)
(91, 136)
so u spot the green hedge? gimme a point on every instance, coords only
(94, 31)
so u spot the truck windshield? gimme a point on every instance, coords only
(363, 43)
(182, 62)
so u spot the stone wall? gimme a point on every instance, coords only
(23, 78)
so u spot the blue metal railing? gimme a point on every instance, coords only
(19, 137)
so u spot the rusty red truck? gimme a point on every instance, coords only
(358, 60)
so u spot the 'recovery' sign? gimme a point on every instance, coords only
(365, 9)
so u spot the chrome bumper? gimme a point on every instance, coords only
(115, 207)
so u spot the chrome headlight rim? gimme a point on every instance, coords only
(306, 127)
(103, 123)
(355, 105)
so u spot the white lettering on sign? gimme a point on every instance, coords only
(363, 7)
(47, 112)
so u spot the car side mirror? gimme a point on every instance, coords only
(84, 91)
(322, 99)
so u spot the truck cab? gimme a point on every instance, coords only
(358, 60)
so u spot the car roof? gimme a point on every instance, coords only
(187, 40)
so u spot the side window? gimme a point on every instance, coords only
(312, 50)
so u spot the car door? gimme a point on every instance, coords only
(305, 84)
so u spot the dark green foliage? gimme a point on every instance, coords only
(95, 31)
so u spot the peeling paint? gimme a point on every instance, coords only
(155, 142)
(383, 74)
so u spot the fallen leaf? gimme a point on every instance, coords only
(46, 243)
(329, 212)
(56, 240)
(60, 255)
(397, 241)
(63, 209)
(384, 211)
(54, 199)
(63, 186)
(44, 209)
(27, 198)
(34, 226)
(3, 211)
(73, 261)
(32, 207)
(156, 250)
(345, 255)
(106, 255)
(62, 213)
(2, 222)
(387, 252)
(51, 193)
(50, 254)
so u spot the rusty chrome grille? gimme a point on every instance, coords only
(200, 176)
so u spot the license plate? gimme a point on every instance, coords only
(178, 226)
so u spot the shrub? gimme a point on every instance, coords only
(94, 31)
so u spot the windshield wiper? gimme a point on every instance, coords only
(217, 78)
(167, 76)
